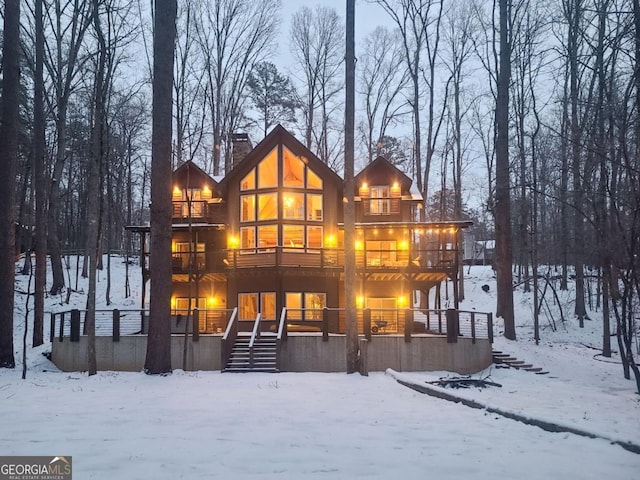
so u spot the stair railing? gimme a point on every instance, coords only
(282, 335)
(254, 335)
(229, 338)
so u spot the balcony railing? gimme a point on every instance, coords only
(370, 260)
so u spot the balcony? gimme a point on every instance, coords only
(412, 259)
(201, 211)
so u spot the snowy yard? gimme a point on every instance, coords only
(213, 425)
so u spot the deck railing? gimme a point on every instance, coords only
(370, 323)
(114, 323)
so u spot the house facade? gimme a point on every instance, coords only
(270, 235)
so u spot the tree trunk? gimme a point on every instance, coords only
(503, 198)
(8, 161)
(40, 183)
(158, 358)
(353, 350)
(93, 192)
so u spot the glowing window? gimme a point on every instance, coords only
(314, 303)
(293, 169)
(293, 302)
(381, 253)
(267, 206)
(314, 207)
(182, 198)
(293, 206)
(247, 306)
(184, 303)
(305, 306)
(293, 236)
(313, 180)
(249, 181)
(247, 237)
(314, 237)
(267, 236)
(268, 170)
(268, 305)
(247, 208)
(380, 200)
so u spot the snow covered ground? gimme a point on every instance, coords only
(316, 426)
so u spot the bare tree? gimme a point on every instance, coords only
(458, 35)
(383, 81)
(158, 359)
(189, 85)
(419, 24)
(93, 186)
(316, 45)
(232, 35)
(9, 160)
(68, 22)
(574, 16)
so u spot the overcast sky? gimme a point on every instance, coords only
(368, 16)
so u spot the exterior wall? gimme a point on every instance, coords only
(129, 353)
(300, 353)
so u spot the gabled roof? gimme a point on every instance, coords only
(381, 172)
(280, 135)
(190, 174)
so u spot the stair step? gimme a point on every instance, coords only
(249, 370)
(523, 366)
(264, 354)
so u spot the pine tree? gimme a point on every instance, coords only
(272, 95)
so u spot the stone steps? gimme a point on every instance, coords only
(504, 360)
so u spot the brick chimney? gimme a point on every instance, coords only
(241, 147)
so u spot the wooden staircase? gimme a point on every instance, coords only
(263, 357)
(504, 360)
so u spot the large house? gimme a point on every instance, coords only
(270, 235)
(258, 262)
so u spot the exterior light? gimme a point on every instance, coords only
(404, 245)
(331, 241)
(173, 302)
(211, 301)
(233, 241)
(396, 185)
(176, 190)
(358, 245)
(402, 301)
(360, 301)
